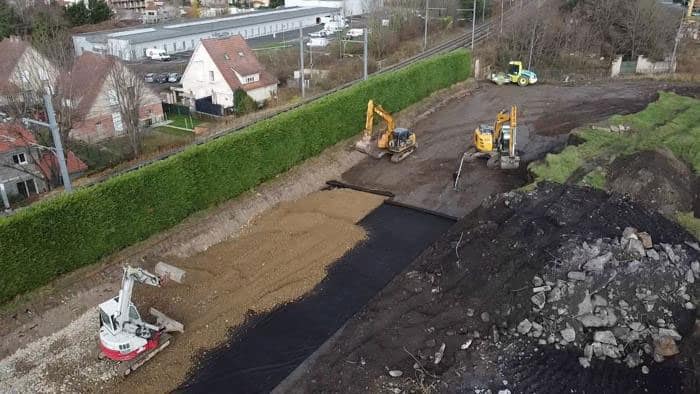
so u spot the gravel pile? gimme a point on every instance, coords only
(610, 298)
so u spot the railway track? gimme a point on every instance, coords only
(481, 32)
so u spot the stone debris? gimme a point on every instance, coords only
(577, 275)
(524, 327)
(609, 298)
(439, 354)
(485, 317)
(395, 373)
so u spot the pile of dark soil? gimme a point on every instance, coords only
(477, 282)
(657, 179)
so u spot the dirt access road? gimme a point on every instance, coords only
(547, 113)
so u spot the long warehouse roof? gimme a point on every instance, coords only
(162, 31)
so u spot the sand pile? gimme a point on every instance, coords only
(281, 256)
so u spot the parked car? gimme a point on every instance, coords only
(319, 34)
(150, 77)
(174, 77)
(354, 33)
(162, 78)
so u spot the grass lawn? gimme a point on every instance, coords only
(672, 122)
(184, 121)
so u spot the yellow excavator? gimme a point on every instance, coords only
(396, 141)
(496, 143)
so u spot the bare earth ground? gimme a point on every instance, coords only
(424, 179)
(547, 113)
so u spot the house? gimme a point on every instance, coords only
(94, 101)
(23, 70)
(26, 169)
(219, 67)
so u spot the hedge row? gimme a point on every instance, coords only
(61, 234)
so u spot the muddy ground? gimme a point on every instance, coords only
(547, 113)
(424, 179)
(477, 280)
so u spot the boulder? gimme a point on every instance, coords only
(665, 346)
(524, 326)
(585, 306)
(539, 300)
(646, 240)
(652, 254)
(576, 275)
(605, 337)
(667, 332)
(598, 264)
(629, 233)
(690, 276)
(568, 334)
(635, 246)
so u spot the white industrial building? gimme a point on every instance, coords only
(174, 37)
(347, 7)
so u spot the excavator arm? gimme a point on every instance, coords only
(373, 109)
(131, 275)
(513, 130)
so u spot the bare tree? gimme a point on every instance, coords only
(128, 89)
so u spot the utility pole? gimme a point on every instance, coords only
(473, 24)
(483, 11)
(502, 16)
(425, 33)
(365, 52)
(57, 144)
(301, 61)
(532, 46)
(671, 67)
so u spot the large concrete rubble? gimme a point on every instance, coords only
(610, 298)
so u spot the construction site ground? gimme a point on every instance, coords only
(49, 336)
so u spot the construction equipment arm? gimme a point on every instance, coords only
(130, 276)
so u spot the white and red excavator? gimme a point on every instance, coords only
(124, 336)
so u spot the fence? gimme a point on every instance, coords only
(570, 76)
(176, 109)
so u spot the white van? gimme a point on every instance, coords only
(157, 54)
(354, 33)
(317, 42)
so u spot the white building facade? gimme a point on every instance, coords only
(347, 7)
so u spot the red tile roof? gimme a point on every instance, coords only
(231, 55)
(11, 50)
(48, 164)
(14, 136)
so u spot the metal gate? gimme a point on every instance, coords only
(206, 105)
(629, 67)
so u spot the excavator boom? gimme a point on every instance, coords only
(399, 142)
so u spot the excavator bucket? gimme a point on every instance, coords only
(168, 323)
(170, 272)
(366, 146)
(510, 163)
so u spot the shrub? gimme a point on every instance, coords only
(61, 234)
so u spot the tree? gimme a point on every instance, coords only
(276, 3)
(9, 20)
(128, 90)
(194, 9)
(78, 14)
(99, 11)
(242, 103)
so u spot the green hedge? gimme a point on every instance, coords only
(63, 233)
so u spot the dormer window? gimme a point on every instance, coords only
(250, 79)
(226, 56)
(241, 54)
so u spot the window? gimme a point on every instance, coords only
(192, 44)
(211, 76)
(27, 188)
(174, 47)
(19, 158)
(184, 45)
(112, 97)
(250, 79)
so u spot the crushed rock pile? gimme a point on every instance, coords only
(611, 298)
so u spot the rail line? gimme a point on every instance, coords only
(481, 32)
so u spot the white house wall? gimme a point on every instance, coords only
(263, 93)
(195, 80)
